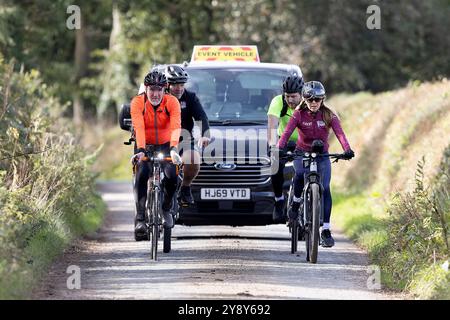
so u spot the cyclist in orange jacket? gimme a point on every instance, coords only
(156, 119)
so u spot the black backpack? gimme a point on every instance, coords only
(125, 117)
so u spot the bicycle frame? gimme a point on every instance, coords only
(154, 187)
(307, 221)
(312, 178)
(175, 205)
(154, 203)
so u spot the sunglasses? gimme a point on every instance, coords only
(314, 99)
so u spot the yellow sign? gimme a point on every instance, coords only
(225, 53)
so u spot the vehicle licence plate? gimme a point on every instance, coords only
(224, 194)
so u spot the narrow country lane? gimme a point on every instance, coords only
(206, 262)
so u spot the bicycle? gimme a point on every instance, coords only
(153, 215)
(153, 211)
(154, 204)
(299, 234)
(310, 219)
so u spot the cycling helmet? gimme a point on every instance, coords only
(313, 89)
(293, 84)
(176, 74)
(155, 78)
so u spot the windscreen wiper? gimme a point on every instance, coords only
(228, 122)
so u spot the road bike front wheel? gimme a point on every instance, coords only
(155, 223)
(307, 223)
(294, 236)
(315, 222)
(290, 198)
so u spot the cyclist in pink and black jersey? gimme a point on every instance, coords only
(313, 121)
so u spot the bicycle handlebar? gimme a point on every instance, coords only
(291, 156)
(160, 157)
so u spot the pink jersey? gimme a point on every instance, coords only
(311, 127)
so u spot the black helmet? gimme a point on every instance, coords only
(293, 84)
(176, 74)
(155, 78)
(313, 89)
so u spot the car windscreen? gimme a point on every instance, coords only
(239, 94)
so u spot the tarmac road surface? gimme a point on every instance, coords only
(206, 262)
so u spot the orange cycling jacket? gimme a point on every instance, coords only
(158, 127)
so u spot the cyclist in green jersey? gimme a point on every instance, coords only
(280, 112)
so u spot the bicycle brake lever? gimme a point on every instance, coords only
(129, 141)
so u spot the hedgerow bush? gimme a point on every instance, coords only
(417, 244)
(46, 186)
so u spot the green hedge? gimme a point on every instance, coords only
(47, 190)
(411, 244)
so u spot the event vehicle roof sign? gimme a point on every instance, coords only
(225, 53)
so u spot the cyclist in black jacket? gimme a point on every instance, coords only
(191, 109)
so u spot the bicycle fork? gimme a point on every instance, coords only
(313, 177)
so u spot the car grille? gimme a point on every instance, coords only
(247, 172)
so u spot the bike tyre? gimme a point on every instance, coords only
(155, 224)
(315, 222)
(294, 236)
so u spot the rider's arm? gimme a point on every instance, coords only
(292, 124)
(199, 114)
(173, 106)
(272, 136)
(339, 132)
(273, 116)
(137, 118)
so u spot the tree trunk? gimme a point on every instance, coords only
(78, 108)
(116, 30)
(81, 68)
(115, 72)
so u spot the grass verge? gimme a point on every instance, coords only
(411, 253)
(44, 242)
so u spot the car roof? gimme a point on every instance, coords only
(255, 65)
(290, 68)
